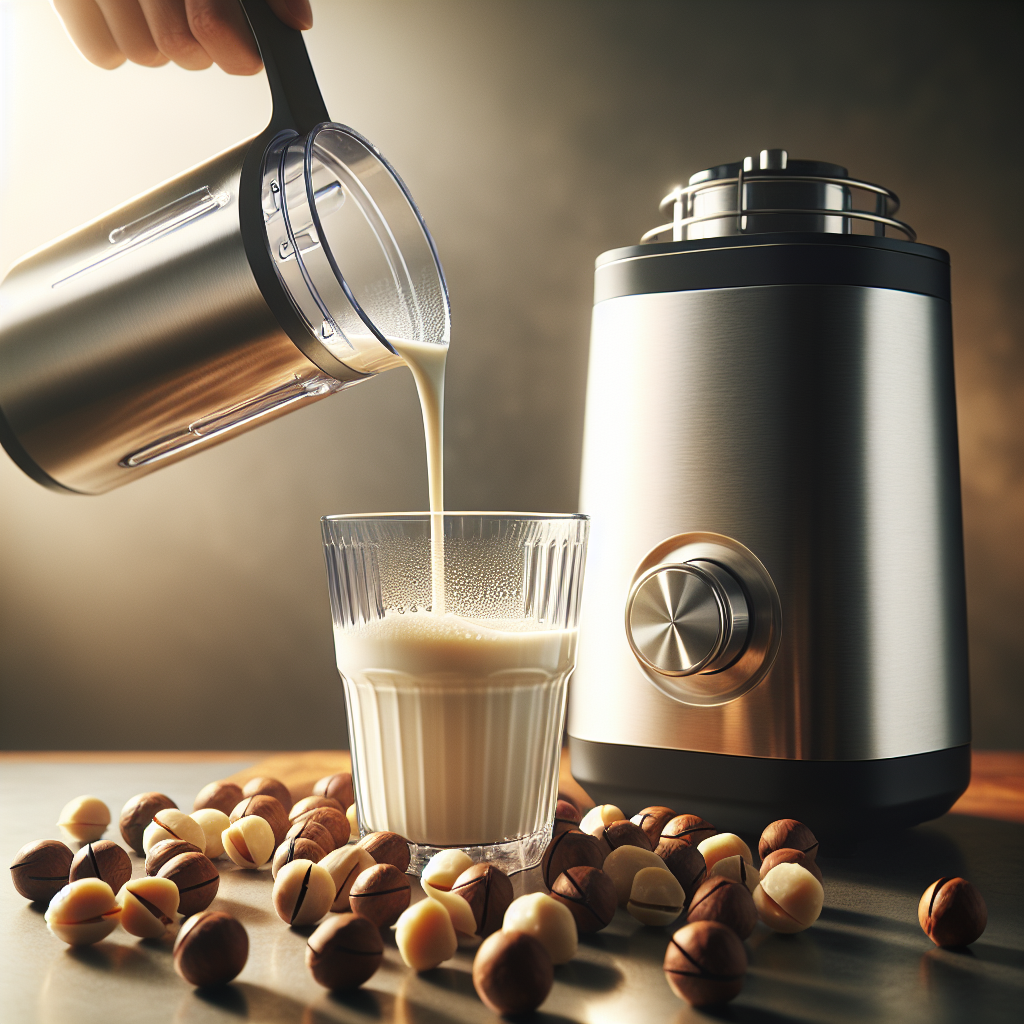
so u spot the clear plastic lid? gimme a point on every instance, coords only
(351, 248)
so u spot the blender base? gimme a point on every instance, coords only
(744, 794)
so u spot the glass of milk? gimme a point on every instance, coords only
(455, 700)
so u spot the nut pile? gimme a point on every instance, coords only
(659, 866)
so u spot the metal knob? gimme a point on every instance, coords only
(687, 618)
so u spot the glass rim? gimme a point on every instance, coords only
(416, 516)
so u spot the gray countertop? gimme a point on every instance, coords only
(865, 959)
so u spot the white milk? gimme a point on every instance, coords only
(455, 724)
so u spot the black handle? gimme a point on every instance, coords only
(293, 85)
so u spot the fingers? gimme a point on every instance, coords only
(168, 26)
(85, 24)
(220, 27)
(127, 24)
(294, 13)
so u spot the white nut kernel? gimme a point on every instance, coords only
(425, 935)
(548, 921)
(83, 912)
(213, 823)
(725, 844)
(249, 841)
(789, 898)
(597, 817)
(344, 866)
(303, 892)
(84, 819)
(171, 823)
(622, 864)
(444, 868)
(656, 898)
(149, 906)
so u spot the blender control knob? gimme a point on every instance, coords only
(687, 618)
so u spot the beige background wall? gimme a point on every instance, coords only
(190, 609)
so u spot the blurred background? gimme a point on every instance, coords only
(190, 610)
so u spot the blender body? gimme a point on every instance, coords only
(774, 623)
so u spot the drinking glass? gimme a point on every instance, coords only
(455, 702)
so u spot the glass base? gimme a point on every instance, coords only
(512, 856)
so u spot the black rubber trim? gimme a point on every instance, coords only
(779, 259)
(832, 796)
(25, 462)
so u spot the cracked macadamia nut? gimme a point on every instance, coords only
(787, 833)
(727, 902)
(149, 906)
(512, 972)
(329, 818)
(736, 869)
(444, 868)
(83, 912)
(344, 951)
(197, 879)
(488, 891)
(211, 949)
(303, 892)
(652, 821)
(263, 785)
(789, 898)
(103, 859)
(337, 786)
(222, 796)
(722, 845)
(952, 912)
(166, 850)
(569, 850)
(785, 856)
(213, 823)
(621, 866)
(314, 832)
(295, 849)
(40, 870)
(594, 821)
(345, 866)
(84, 819)
(590, 896)
(137, 813)
(685, 861)
(623, 833)
(267, 807)
(387, 848)
(173, 824)
(705, 963)
(551, 923)
(656, 898)
(425, 935)
(380, 894)
(249, 841)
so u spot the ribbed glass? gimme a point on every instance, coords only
(455, 720)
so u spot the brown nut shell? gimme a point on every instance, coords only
(387, 848)
(296, 849)
(167, 849)
(267, 807)
(566, 812)
(197, 880)
(264, 785)
(488, 891)
(137, 813)
(380, 894)
(624, 833)
(727, 902)
(571, 849)
(335, 821)
(685, 861)
(338, 787)
(221, 796)
(309, 803)
(512, 972)
(786, 856)
(211, 949)
(788, 834)
(314, 832)
(105, 860)
(41, 869)
(705, 963)
(652, 820)
(689, 829)
(344, 951)
(952, 912)
(590, 896)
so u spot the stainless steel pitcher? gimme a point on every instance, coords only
(774, 623)
(271, 276)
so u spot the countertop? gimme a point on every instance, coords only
(864, 960)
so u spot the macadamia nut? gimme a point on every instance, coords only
(83, 912)
(149, 906)
(621, 866)
(443, 868)
(736, 869)
(249, 842)
(303, 892)
(789, 898)
(722, 845)
(656, 898)
(213, 823)
(345, 866)
(173, 824)
(425, 935)
(548, 921)
(84, 819)
(597, 817)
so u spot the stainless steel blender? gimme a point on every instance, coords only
(271, 276)
(774, 619)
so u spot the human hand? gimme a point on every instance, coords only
(192, 33)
